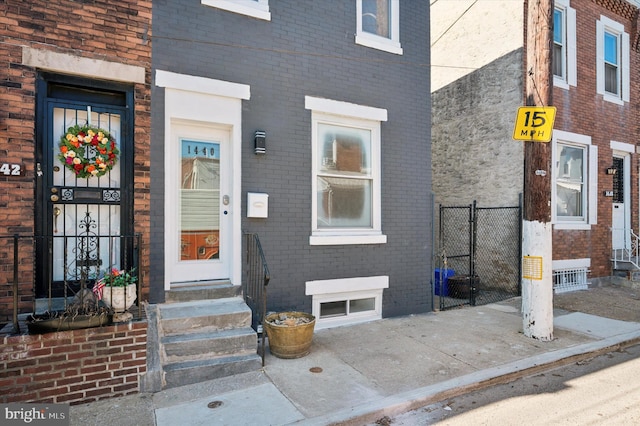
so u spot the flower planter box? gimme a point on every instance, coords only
(40, 324)
(290, 333)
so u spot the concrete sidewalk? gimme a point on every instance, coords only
(358, 374)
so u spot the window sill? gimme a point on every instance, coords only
(560, 83)
(248, 8)
(379, 43)
(613, 99)
(338, 240)
(572, 226)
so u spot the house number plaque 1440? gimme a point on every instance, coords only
(11, 169)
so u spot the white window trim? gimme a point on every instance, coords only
(622, 146)
(256, 9)
(206, 100)
(347, 114)
(345, 289)
(592, 180)
(612, 26)
(571, 68)
(392, 44)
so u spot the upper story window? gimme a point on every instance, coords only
(564, 45)
(611, 63)
(346, 172)
(574, 190)
(255, 8)
(378, 24)
(612, 46)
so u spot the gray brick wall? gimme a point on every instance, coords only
(308, 48)
(474, 154)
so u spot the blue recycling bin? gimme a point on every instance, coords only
(446, 273)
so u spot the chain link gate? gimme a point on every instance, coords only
(479, 252)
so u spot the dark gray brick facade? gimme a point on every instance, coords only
(308, 49)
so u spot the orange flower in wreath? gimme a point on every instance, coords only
(88, 151)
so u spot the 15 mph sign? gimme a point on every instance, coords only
(534, 124)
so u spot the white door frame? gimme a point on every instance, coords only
(213, 103)
(622, 150)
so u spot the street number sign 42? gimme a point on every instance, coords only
(534, 124)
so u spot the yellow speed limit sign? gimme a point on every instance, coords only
(534, 124)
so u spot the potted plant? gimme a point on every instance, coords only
(290, 333)
(118, 290)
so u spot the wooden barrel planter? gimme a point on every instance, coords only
(290, 333)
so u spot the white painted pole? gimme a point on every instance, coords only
(537, 281)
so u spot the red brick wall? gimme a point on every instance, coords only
(116, 31)
(73, 366)
(581, 110)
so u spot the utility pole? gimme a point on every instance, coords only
(537, 281)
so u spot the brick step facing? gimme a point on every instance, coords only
(204, 333)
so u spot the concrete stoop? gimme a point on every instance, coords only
(627, 277)
(203, 332)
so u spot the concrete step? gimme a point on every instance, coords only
(622, 265)
(194, 346)
(203, 316)
(626, 278)
(202, 290)
(189, 372)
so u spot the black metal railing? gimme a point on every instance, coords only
(67, 275)
(255, 286)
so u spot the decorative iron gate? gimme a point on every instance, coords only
(85, 216)
(479, 252)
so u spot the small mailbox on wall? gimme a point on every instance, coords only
(257, 205)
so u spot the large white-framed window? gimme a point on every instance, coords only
(612, 48)
(346, 301)
(378, 25)
(564, 45)
(574, 188)
(255, 8)
(346, 187)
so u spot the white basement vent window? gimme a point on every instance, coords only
(346, 301)
(570, 279)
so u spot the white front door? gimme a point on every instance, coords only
(199, 217)
(620, 221)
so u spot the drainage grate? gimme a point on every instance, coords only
(214, 404)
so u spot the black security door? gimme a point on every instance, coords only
(83, 215)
